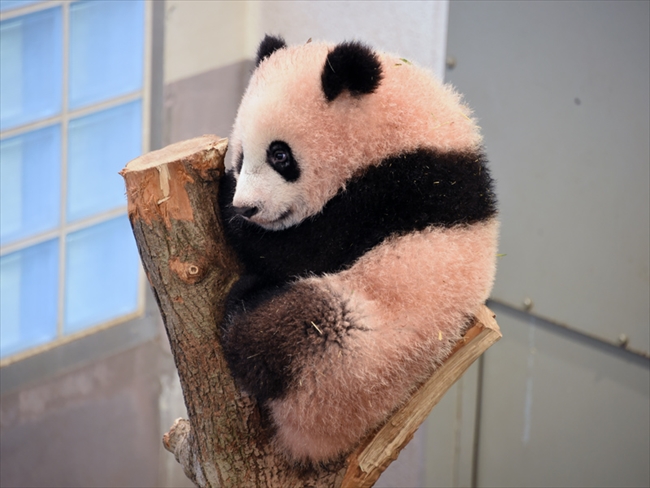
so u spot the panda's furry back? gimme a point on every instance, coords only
(339, 316)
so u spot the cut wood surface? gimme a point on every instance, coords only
(225, 442)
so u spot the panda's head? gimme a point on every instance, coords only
(315, 115)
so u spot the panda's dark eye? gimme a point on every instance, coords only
(280, 158)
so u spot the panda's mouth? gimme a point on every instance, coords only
(278, 223)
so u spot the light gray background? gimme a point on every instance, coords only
(562, 93)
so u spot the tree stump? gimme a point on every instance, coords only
(225, 443)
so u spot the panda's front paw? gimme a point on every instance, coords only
(245, 286)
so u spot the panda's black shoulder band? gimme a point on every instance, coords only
(351, 66)
(268, 46)
(405, 193)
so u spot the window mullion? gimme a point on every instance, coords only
(64, 170)
(146, 118)
(30, 9)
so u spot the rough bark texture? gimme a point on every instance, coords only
(190, 268)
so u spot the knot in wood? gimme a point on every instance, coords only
(189, 273)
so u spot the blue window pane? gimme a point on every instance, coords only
(9, 4)
(28, 297)
(30, 67)
(101, 274)
(106, 50)
(100, 145)
(30, 183)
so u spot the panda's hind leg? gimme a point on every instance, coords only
(272, 335)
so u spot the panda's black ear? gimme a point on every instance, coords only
(268, 46)
(351, 66)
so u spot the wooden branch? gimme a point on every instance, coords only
(382, 447)
(171, 195)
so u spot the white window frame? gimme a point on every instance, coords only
(144, 308)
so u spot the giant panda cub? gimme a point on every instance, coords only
(359, 202)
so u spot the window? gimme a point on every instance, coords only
(74, 109)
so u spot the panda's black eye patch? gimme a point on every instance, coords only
(280, 158)
(239, 162)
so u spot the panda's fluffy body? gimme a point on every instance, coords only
(361, 207)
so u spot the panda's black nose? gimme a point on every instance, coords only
(247, 212)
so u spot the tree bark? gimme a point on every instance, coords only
(226, 443)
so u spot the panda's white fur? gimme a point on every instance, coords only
(280, 205)
(330, 346)
(334, 140)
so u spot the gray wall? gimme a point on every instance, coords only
(561, 90)
(93, 426)
(92, 412)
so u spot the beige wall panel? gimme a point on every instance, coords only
(203, 35)
(413, 29)
(206, 103)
